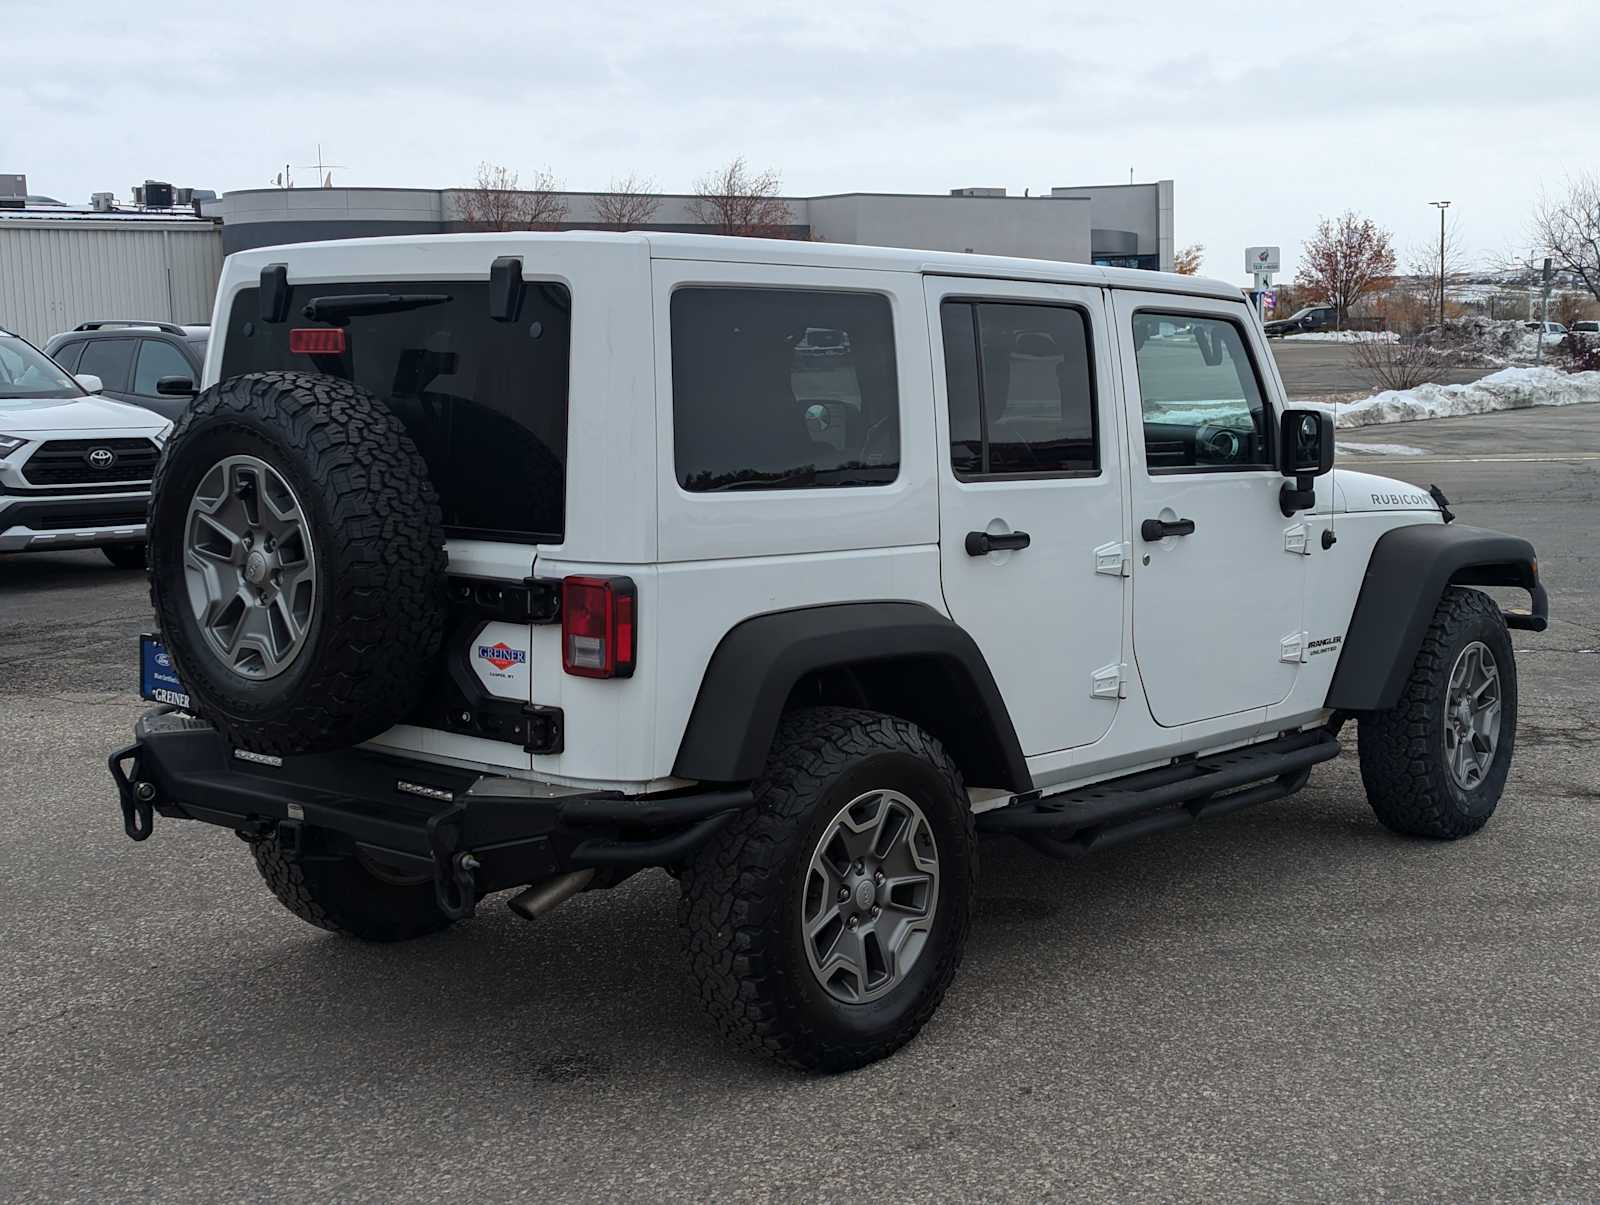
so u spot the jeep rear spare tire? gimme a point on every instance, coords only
(296, 562)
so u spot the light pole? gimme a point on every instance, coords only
(1441, 206)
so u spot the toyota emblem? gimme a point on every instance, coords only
(100, 458)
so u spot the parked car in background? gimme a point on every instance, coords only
(75, 468)
(1312, 318)
(1588, 328)
(1550, 331)
(132, 356)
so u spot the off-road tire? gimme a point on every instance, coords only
(344, 897)
(741, 894)
(125, 556)
(1402, 750)
(378, 536)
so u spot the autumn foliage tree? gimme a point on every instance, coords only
(496, 202)
(1187, 262)
(630, 203)
(735, 200)
(1347, 258)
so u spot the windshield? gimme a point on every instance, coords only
(27, 373)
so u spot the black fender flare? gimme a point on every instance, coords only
(758, 662)
(1406, 576)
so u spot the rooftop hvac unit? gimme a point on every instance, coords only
(103, 202)
(157, 194)
(185, 197)
(138, 195)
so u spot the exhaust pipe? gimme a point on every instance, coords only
(541, 897)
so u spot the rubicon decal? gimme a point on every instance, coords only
(501, 655)
(1401, 500)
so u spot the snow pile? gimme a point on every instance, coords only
(1508, 389)
(1481, 340)
(1384, 449)
(1343, 337)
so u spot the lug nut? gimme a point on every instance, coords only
(853, 921)
(860, 867)
(877, 877)
(844, 893)
(875, 911)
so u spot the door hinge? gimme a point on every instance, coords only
(1109, 682)
(1114, 560)
(1293, 646)
(1297, 539)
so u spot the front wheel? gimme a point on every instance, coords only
(1435, 764)
(825, 924)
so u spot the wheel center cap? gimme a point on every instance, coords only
(256, 567)
(865, 894)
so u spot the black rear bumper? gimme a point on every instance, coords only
(476, 834)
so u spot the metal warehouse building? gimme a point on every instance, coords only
(62, 267)
(1116, 225)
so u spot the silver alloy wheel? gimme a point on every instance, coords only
(1472, 715)
(249, 566)
(869, 896)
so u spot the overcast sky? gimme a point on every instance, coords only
(1266, 115)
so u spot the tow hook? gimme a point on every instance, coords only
(455, 886)
(136, 796)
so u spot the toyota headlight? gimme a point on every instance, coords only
(161, 436)
(9, 444)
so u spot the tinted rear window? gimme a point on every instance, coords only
(783, 389)
(485, 401)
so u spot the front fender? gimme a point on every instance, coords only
(1407, 574)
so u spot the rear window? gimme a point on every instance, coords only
(783, 389)
(485, 401)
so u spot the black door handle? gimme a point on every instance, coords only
(981, 543)
(1158, 529)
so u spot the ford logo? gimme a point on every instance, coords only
(100, 458)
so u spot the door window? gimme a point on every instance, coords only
(68, 355)
(1021, 389)
(783, 389)
(109, 359)
(1200, 395)
(157, 359)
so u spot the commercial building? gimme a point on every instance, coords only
(1118, 225)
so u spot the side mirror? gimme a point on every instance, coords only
(89, 382)
(175, 386)
(1305, 452)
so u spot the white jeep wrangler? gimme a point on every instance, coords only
(528, 561)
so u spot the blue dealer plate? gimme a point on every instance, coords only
(158, 681)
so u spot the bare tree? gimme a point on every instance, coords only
(1567, 227)
(1347, 257)
(735, 200)
(495, 202)
(1187, 262)
(1401, 356)
(631, 203)
(1436, 266)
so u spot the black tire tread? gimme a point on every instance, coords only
(382, 552)
(1398, 760)
(733, 887)
(319, 903)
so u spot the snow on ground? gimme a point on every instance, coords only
(1508, 389)
(1343, 337)
(1384, 449)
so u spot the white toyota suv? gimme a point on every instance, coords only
(74, 468)
(524, 562)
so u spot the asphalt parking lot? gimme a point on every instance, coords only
(1288, 1003)
(1315, 369)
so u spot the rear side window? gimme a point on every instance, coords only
(1021, 389)
(109, 359)
(783, 389)
(157, 359)
(485, 401)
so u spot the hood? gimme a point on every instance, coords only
(1368, 492)
(22, 416)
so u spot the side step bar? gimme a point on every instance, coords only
(1084, 819)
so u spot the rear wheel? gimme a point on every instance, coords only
(825, 924)
(1435, 764)
(125, 556)
(351, 897)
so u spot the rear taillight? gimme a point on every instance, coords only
(598, 626)
(317, 341)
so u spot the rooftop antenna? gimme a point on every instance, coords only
(323, 169)
(1130, 174)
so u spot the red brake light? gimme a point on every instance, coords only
(598, 626)
(316, 341)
